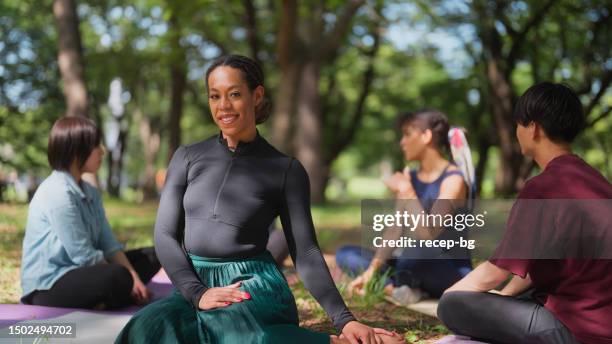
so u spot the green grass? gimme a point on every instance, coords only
(336, 225)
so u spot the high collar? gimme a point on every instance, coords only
(243, 147)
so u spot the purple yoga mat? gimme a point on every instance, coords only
(10, 314)
(455, 339)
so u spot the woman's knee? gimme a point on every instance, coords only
(351, 258)
(342, 255)
(451, 307)
(119, 279)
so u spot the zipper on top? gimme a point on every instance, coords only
(227, 170)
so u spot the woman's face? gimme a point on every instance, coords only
(94, 161)
(232, 104)
(414, 141)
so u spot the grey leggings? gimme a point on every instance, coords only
(501, 319)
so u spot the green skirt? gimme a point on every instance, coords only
(270, 316)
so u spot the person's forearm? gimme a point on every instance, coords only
(120, 258)
(516, 286)
(485, 277)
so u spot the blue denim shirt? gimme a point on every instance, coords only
(66, 229)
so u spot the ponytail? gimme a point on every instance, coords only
(462, 156)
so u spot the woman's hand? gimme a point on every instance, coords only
(356, 332)
(357, 286)
(222, 296)
(140, 294)
(401, 184)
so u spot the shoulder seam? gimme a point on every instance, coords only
(291, 159)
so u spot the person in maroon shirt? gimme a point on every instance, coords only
(550, 254)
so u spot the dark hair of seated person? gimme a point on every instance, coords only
(72, 138)
(555, 107)
(428, 119)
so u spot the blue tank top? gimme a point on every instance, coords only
(429, 192)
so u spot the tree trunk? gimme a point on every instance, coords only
(251, 25)
(483, 158)
(115, 160)
(150, 139)
(300, 56)
(178, 82)
(501, 107)
(70, 61)
(288, 46)
(499, 68)
(309, 137)
(70, 57)
(285, 108)
(112, 181)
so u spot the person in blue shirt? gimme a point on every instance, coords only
(70, 256)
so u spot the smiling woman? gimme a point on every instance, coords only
(236, 98)
(220, 197)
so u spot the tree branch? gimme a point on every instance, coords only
(520, 37)
(589, 54)
(600, 117)
(604, 84)
(500, 10)
(211, 37)
(368, 77)
(332, 41)
(508, 26)
(325, 102)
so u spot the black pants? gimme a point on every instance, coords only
(501, 319)
(108, 284)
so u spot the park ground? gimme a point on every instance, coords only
(336, 225)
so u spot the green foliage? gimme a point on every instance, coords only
(422, 331)
(30, 97)
(375, 288)
(135, 40)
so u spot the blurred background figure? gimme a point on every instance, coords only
(70, 256)
(419, 271)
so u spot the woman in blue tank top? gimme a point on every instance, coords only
(438, 185)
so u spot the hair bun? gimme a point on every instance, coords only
(263, 110)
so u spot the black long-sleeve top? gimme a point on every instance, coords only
(219, 203)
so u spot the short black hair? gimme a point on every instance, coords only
(253, 74)
(72, 138)
(432, 119)
(555, 107)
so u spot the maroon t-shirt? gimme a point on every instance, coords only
(577, 291)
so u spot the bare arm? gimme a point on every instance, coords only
(485, 277)
(516, 286)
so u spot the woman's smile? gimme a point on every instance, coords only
(228, 119)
